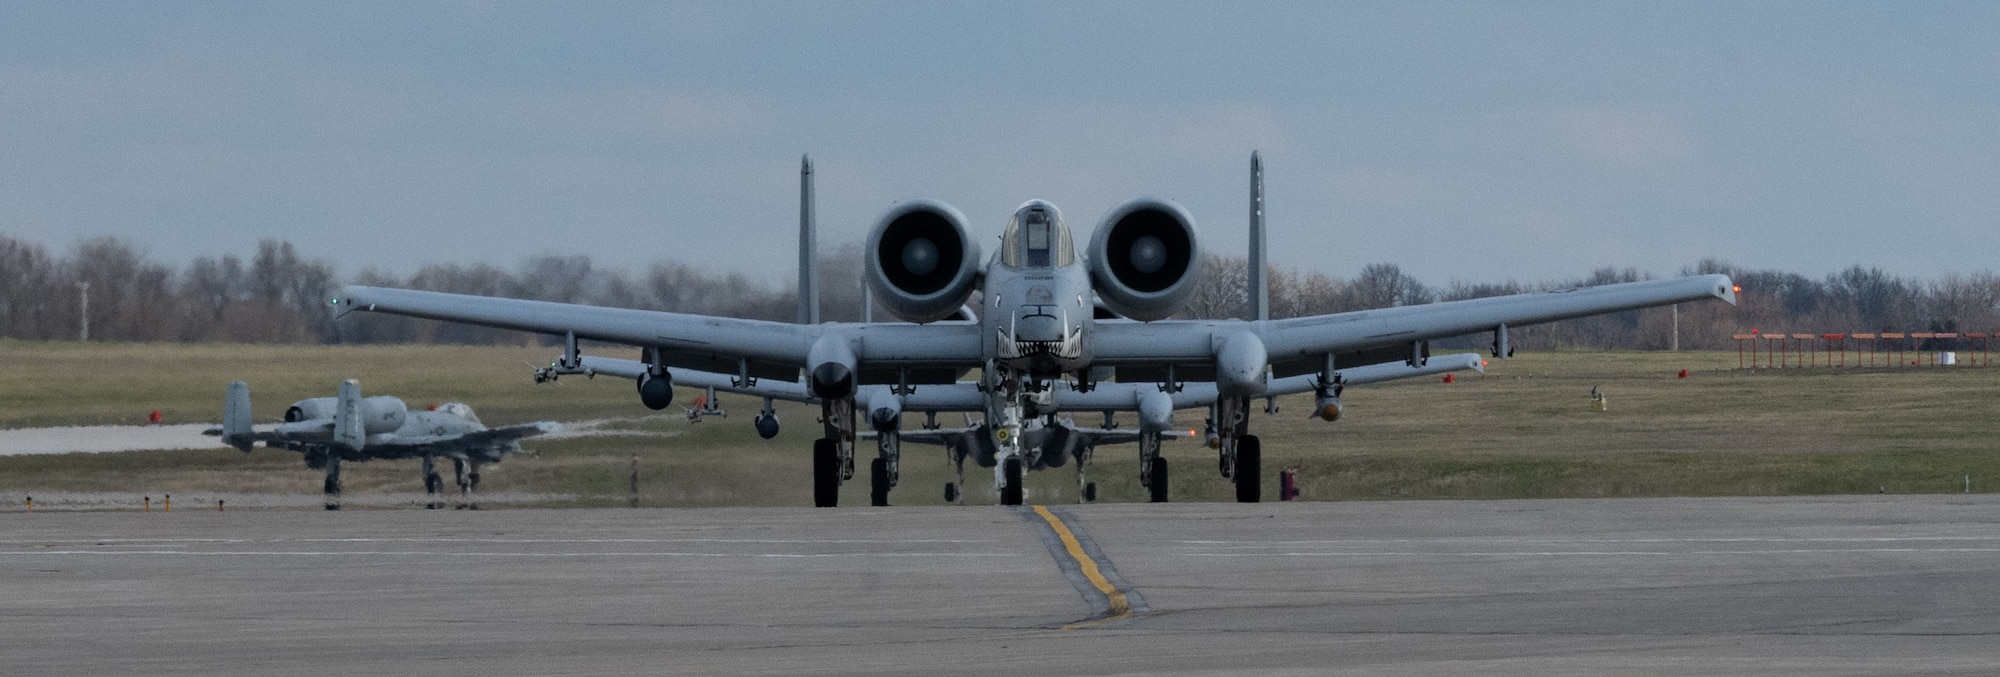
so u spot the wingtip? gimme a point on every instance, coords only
(1726, 289)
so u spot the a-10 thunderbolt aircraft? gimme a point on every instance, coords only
(328, 430)
(1052, 323)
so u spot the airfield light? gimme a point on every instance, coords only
(1739, 289)
(333, 301)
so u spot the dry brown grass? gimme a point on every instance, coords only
(1525, 429)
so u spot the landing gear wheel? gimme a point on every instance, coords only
(1090, 492)
(1011, 494)
(1249, 469)
(826, 473)
(878, 482)
(332, 493)
(1158, 485)
(433, 485)
(950, 492)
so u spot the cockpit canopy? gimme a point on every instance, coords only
(459, 409)
(1037, 238)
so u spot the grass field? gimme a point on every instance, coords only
(1525, 429)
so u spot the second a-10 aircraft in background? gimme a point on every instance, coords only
(328, 430)
(1052, 325)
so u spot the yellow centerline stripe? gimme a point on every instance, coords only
(1119, 607)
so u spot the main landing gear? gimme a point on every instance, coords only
(1152, 468)
(468, 483)
(1086, 490)
(826, 472)
(1249, 469)
(332, 487)
(954, 492)
(884, 470)
(433, 484)
(833, 455)
(1240, 453)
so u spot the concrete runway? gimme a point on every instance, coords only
(1816, 586)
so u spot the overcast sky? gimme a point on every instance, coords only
(1464, 141)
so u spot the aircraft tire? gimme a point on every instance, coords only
(1090, 492)
(951, 492)
(1159, 484)
(826, 473)
(878, 482)
(1249, 469)
(433, 483)
(1011, 494)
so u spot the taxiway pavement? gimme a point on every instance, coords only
(1808, 586)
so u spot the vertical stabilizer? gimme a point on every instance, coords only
(808, 248)
(236, 416)
(1260, 288)
(348, 429)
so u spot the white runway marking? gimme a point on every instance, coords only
(1551, 547)
(421, 553)
(1558, 541)
(798, 541)
(274, 547)
(1590, 553)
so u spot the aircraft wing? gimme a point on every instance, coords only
(293, 436)
(936, 353)
(1104, 397)
(488, 444)
(723, 345)
(480, 443)
(1300, 345)
(956, 438)
(777, 389)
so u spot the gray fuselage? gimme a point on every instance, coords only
(1038, 300)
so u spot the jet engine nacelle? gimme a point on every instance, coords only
(922, 265)
(1144, 259)
(379, 414)
(313, 409)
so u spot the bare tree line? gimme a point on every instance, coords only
(278, 296)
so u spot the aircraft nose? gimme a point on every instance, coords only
(1038, 328)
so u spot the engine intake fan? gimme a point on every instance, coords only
(1145, 259)
(922, 265)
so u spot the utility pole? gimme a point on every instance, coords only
(83, 312)
(1677, 328)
